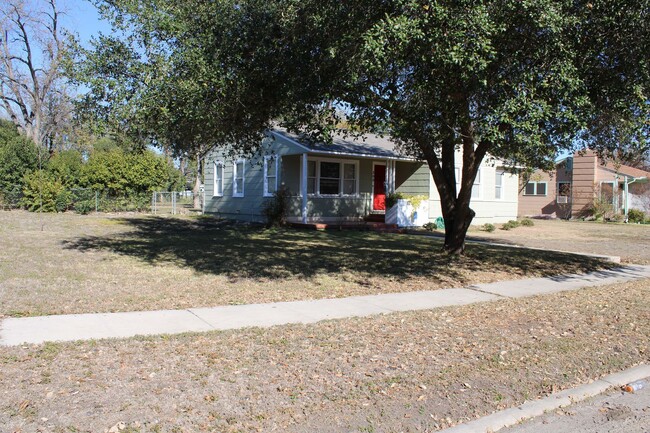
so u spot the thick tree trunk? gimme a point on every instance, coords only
(457, 214)
(456, 227)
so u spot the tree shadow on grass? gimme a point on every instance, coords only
(245, 251)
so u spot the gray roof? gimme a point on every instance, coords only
(369, 146)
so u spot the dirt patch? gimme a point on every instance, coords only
(67, 263)
(631, 242)
(409, 372)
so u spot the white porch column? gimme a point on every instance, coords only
(390, 176)
(303, 187)
(627, 198)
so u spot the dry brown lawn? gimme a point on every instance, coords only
(67, 263)
(404, 372)
(631, 242)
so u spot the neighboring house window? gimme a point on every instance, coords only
(607, 192)
(330, 177)
(218, 179)
(238, 178)
(563, 192)
(270, 175)
(498, 184)
(476, 187)
(535, 188)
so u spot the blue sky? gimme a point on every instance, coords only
(82, 18)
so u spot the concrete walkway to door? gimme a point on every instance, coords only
(15, 331)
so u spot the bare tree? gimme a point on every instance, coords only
(33, 45)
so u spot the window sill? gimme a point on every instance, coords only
(333, 195)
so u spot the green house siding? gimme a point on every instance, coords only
(246, 208)
(412, 178)
(344, 208)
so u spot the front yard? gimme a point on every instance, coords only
(67, 263)
(405, 372)
(631, 242)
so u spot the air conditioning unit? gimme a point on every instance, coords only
(562, 199)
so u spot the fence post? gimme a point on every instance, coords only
(96, 201)
(173, 203)
(153, 202)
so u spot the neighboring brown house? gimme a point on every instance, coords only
(580, 180)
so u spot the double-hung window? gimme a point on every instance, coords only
(535, 188)
(349, 179)
(332, 178)
(498, 184)
(270, 175)
(238, 174)
(563, 192)
(607, 192)
(218, 179)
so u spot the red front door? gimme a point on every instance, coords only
(379, 188)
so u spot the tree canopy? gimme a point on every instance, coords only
(515, 79)
(33, 92)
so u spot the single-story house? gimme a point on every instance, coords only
(579, 180)
(343, 181)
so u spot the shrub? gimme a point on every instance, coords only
(84, 207)
(430, 227)
(391, 199)
(601, 209)
(276, 209)
(119, 173)
(66, 167)
(526, 222)
(635, 216)
(42, 192)
(512, 224)
(488, 227)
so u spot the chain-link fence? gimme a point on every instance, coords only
(176, 203)
(80, 200)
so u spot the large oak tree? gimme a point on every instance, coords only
(519, 80)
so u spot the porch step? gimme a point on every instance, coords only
(375, 218)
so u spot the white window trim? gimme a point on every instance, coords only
(317, 193)
(266, 192)
(535, 194)
(235, 192)
(502, 174)
(215, 191)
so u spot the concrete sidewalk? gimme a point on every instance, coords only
(121, 325)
